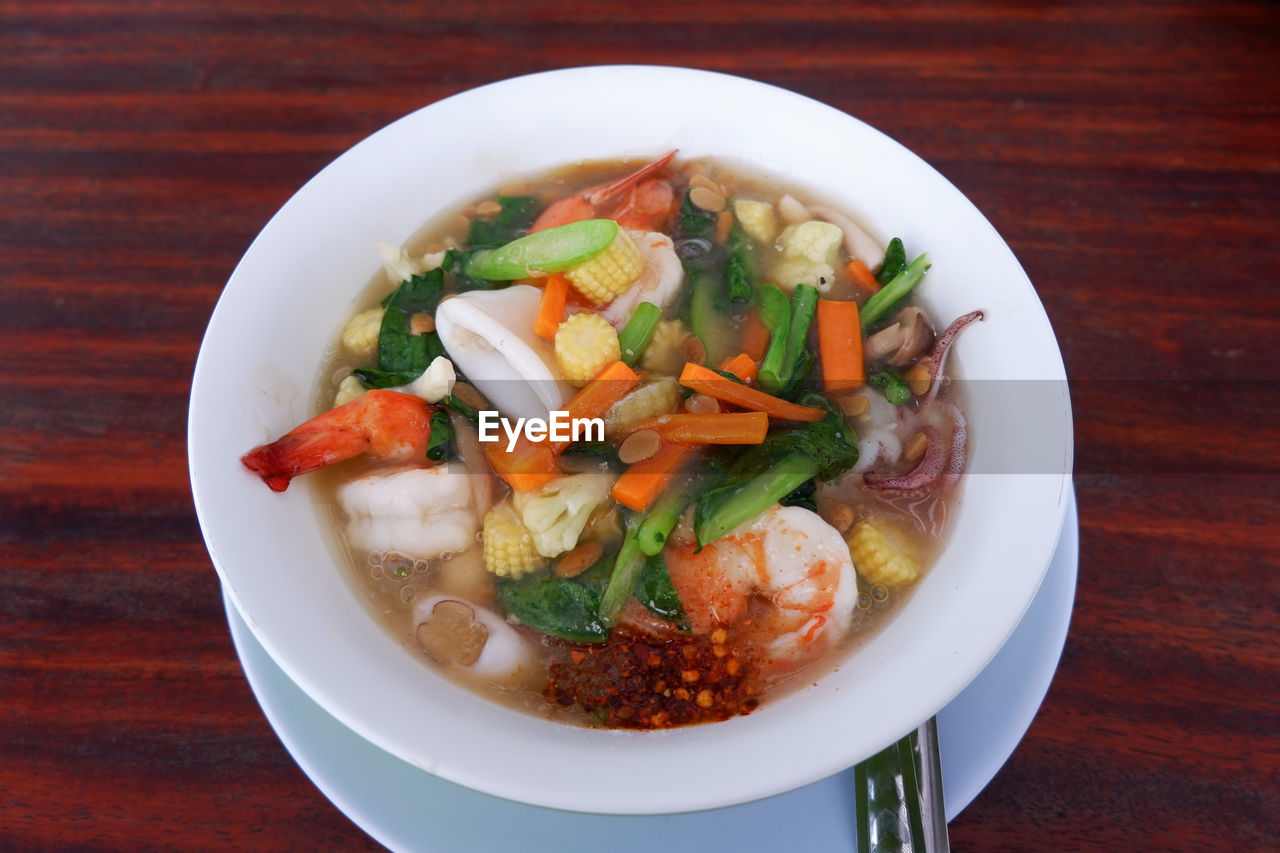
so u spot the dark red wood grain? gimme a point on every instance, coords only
(1128, 151)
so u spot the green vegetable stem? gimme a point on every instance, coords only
(626, 571)
(789, 457)
(639, 331)
(892, 293)
(788, 359)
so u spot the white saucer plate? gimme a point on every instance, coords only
(407, 809)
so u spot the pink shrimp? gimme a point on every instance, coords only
(789, 558)
(382, 424)
(638, 201)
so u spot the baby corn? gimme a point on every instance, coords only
(602, 278)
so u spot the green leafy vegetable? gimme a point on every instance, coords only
(511, 222)
(803, 495)
(883, 300)
(441, 438)
(555, 606)
(782, 464)
(639, 331)
(456, 263)
(891, 385)
(461, 407)
(740, 269)
(694, 221)
(656, 592)
(402, 355)
(895, 261)
(552, 250)
(730, 505)
(831, 442)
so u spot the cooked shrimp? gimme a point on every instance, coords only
(383, 424)
(789, 558)
(638, 201)
(418, 512)
(658, 283)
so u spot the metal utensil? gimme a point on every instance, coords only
(898, 801)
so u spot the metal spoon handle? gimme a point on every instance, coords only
(898, 801)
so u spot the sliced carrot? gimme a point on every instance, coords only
(704, 380)
(840, 345)
(861, 275)
(551, 310)
(742, 366)
(720, 428)
(645, 480)
(755, 336)
(526, 466)
(610, 385)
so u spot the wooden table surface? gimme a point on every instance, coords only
(1128, 152)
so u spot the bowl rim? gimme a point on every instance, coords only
(595, 797)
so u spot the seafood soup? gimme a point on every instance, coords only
(637, 447)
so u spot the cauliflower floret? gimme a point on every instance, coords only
(435, 383)
(348, 390)
(360, 335)
(399, 265)
(809, 254)
(557, 513)
(757, 218)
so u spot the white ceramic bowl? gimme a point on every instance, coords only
(285, 303)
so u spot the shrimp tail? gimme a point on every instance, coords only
(608, 192)
(302, 451)
(588, 203)
(379, 423)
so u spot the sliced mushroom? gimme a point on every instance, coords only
(456, 632)
(902, 341)
(451, 635)
(792, 210)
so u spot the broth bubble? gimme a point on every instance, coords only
(397, 566)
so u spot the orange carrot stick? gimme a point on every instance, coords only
(526, 466)
(755, 336)
(840, 345)
(720, 428)
(645, 480)
(609, 386)
(741, 366)
(704, 380)
(551, 310)
(861, 275)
